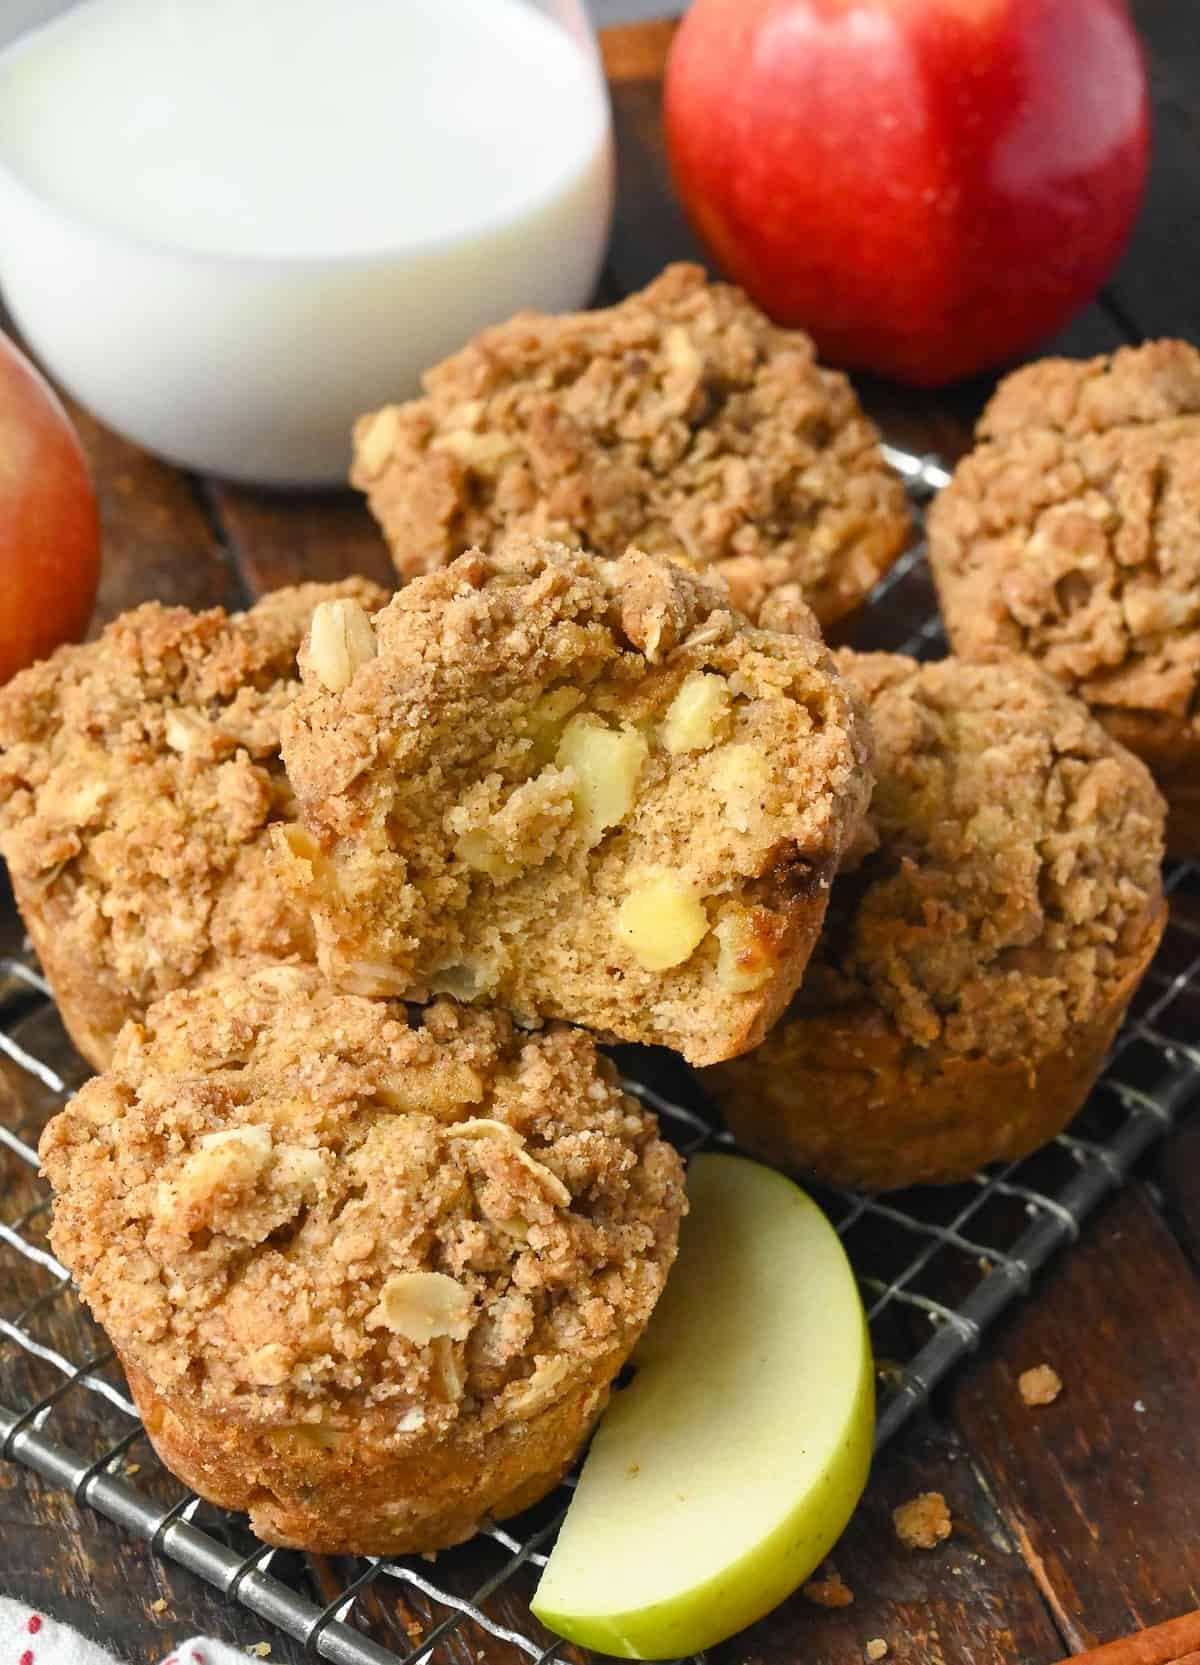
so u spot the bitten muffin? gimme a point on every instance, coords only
(1072, 533)
(370, 1271)
(978, 958)
(576, 789)
(138, 776)
(681, 421)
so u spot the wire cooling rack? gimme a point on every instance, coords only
(936, 1267)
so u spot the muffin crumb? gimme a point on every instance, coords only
(876, 1649)
(923, 1522)
(1040, 1385)
(830, 1590)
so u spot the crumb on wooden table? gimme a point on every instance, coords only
(830, 1590)
(923, 1522)
(876, 1649)
(1040, 1386)
(159, 1606)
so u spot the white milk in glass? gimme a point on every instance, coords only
(426, 166)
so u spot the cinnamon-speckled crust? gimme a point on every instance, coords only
(842, 1097)
(448, 846)
(978, 959)
(302, 1493)
(681, 421)
(370, 1270)
(1072, 533)
(138, 777)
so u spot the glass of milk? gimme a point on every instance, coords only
(229, 226)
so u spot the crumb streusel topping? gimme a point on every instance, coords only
(138, 776)
(575, 788)
(300, 1207)
(681, 421)
(1014, 850)
(1072, 533)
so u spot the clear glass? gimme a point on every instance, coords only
(452, 165)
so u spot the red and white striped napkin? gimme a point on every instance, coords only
(31, 1637)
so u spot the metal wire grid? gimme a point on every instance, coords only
(936, 1268)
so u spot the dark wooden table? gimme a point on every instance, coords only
(1073, 1524)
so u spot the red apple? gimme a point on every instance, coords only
(927, 186)
(49, 529)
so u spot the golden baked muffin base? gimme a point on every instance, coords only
(301, 1491)
(844, 1099)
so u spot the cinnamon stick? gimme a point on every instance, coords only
(1174, 1642)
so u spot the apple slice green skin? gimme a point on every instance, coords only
(724, 1474)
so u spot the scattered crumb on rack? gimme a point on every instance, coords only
(262, 1649)
(830, 1590)
(876, 1649)
(159, 1606)
(1040, 1386)
(923, 1522)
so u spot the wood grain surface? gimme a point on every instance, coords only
(1073, 1523)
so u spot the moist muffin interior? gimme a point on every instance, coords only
(576, 789)
(681, 421)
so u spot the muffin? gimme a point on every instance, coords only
(573, 788)
(983, 945)
(370, 1271)
(1072, 533)
(681, 421)
(139, 774)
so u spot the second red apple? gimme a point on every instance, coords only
(927, 186)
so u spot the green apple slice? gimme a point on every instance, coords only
(726, 1471)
